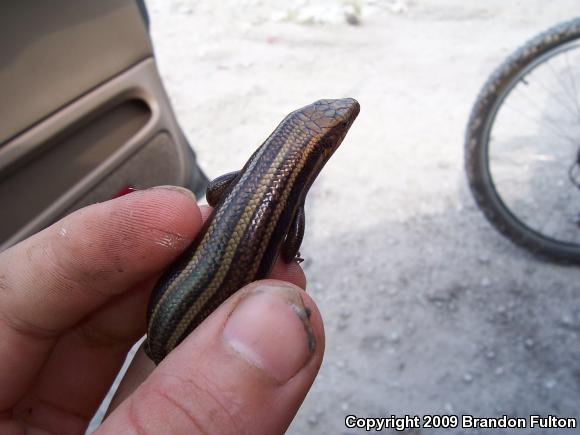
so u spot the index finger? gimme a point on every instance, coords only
(54, 279)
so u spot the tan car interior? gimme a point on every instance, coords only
(83, 112)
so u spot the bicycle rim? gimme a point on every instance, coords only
(532, 136)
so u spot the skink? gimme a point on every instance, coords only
(258, 214)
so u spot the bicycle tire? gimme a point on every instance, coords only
(487, 104)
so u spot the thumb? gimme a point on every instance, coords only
(245, 369)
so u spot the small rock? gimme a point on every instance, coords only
(468, 378)
(483, 259)
(490, 354)
(352, 18)
(185, 10)
(312, 420)
(499, 371)
(529, 343)
(345, 314)
(485, 282)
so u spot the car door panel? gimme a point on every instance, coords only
(90, 114)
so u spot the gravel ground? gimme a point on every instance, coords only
(427, 309)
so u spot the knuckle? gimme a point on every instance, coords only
(26, 328)
(205, 407)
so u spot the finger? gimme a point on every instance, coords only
(291, 272)
(205, 211)
(82, 365)
(246, 369)
(141, 366)
(56, 278)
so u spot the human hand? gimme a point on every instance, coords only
(73, 300)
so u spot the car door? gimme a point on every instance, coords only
(83, 113)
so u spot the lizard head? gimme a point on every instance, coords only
(329, 120)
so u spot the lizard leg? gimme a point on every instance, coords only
(291, 247)
(217, 187)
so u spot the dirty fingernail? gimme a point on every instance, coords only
(270, 328)
(179, 189)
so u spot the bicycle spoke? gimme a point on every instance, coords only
(562, 85)
(568, 69)
(552, 125)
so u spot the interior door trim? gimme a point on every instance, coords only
(139, 82)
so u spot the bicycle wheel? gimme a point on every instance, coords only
(522, 145)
